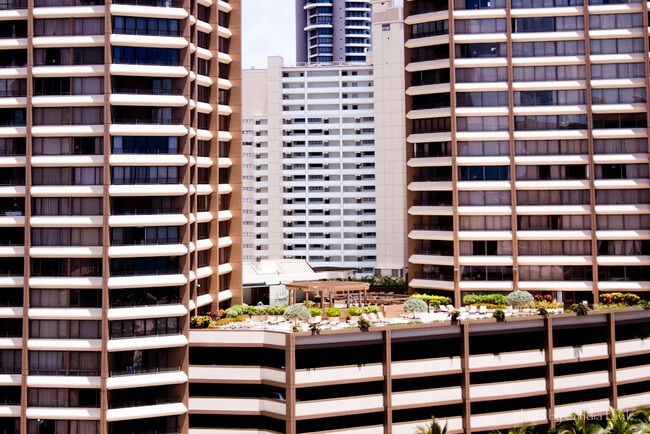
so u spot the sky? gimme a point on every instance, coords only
(268, 29)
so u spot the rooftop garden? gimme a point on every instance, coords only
(419, 308)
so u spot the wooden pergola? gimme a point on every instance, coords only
(329, 289)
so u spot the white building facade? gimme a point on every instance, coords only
(313, 166)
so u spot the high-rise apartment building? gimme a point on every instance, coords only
(387, 58)
(332, 30)
(527, 146)
(311, 134)
(120, 188)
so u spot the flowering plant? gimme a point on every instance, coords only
(217, 314)
(200, 322)
(628, 299)
(543, 297)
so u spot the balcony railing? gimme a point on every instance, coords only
(148, 32)
(142, 180)
(144, 402)
(130, 370)
(132, 334)
(63, 371)
(144, 303)
(146, 242)
(145, 211)
(144, 91)
(156, 3)
(148, 121)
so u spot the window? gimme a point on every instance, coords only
(549, 73)
(617, 70)
(553, 222)
(145, 26)
(479, 75)
(64, 329)
(548, 48)
(146, 55)
(553, 197)
(490, 49)
(483, 148)
(431, 28)
(552, 122)
(620, 120)
(484, 173)
(549, 97)
(488, 25)
(469, 248)
(547, 24)
(481, 223)
(483, 198)
(615, 21)
(485, 273)
(551, 147)
(481, 99)
(145, 145)
(486, 123)
(616, 46)
(555, 272)
(13, 87)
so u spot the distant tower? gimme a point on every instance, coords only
(332, 30)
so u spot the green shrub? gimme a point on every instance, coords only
(372, 309)
(242, 318)
(224, 321)
(454, 315)
(354, 311)
(333, 312)
(200, 322)
(520, 299)
(314, 311)
(363, 324)
(236, 310)
(433, 300)
(254, 310)
(499, 315)
(580, 309)
(644, 304)
(297, 312)
(415, 305)
(493, 299)
(275, 310)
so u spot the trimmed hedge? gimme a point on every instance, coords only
(496, 299)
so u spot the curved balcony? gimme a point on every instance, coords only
(145, 343)
(130, 378)
(142, 409)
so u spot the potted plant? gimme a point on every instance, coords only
(316, 315)
(499, 315)
(315, 328)
(415, 305)
(297, 312)
(580, 309)
(355, 313)
(333, 313)
(372, 309)
(520, 299)
(454, 316)
(363, 324)
(542, 311)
